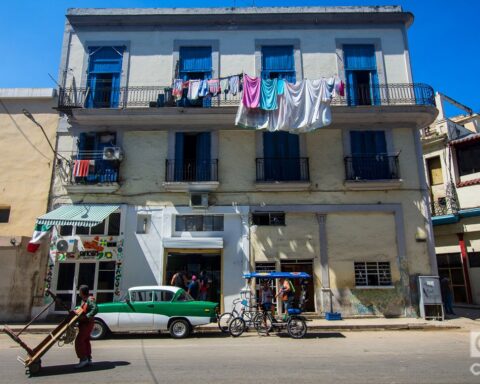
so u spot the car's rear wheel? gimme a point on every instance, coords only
(99, 331)
(179, 328)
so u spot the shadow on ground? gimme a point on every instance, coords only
(66, 369)
(469, 313)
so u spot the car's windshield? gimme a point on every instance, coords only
(184, 296)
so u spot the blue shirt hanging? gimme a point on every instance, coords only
(268, 94)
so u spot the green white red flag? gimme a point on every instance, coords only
(41, 231)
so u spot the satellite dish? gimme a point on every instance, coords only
(62, 245)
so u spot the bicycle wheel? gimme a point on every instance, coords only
(236, 327)
(296, 327)
(224, 320)
(263, 324)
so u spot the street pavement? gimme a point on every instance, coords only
(434, 356)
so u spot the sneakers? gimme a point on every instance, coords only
(90, 360)
(82, 364)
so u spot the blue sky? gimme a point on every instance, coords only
(444, 39)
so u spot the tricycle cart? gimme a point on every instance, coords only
(33, 362)
(266, 322)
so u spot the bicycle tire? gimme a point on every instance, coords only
(263, 324)
(224, 321)
(236, 327)
(296, 327)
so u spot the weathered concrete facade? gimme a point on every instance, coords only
(26, 169)
(330, 222)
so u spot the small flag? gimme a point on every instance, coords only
(41, 230)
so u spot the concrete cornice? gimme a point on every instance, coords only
(238, 16)
(27, 93)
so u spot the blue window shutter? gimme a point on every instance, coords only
(203, 156)
(178, 157)
(352, 98)
(369, 155)
(279, 60)
(359, 57)
(281, 151)
(195, 59)
(105, 59)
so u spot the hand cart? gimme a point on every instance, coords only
(33, 362)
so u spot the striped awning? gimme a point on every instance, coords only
(80, 215)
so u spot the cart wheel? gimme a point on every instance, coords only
(237, 326)
(33, 368)
(296, 327)
(224, 320)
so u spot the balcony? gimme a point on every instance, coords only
(189, 175)
(277, 173)
(142, 106)
(93, 172)
(379, 171)
(443, 206)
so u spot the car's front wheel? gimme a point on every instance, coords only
(99, 330)
(179, 328)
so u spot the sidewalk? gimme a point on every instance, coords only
(466, 319)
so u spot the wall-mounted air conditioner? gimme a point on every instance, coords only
(64, 245)
(112, 153)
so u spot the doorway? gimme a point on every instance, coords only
(192, 263)
(301, 266)
(450, 266)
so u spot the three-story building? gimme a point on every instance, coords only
(159, 181)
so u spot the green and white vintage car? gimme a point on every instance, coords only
(154, 308)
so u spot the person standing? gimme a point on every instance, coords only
(204, 285)
(89, 308)
(179, 280)
(287, 293)
(193, 287)
(447, 295)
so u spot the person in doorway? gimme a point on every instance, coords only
(287, 293)
(204, 285)
(83, 347)
(193, 287)
(266, 296)
(447, 295)
(179, 280)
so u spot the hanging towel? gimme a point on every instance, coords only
(234, 84)
(341, 88)
(214, 86)
(251, 91)
(224, 84)
(203, 89)
(268, 95)
(280, 86)
(193, 88)
(177, 90)
(81, 168)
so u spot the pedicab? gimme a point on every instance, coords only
(293, 321)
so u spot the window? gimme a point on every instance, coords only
(278, 62)
(474, 259)
(361, 74)
(195, 63)
(198, 223)
(141, 296)
(434, 168)
(4, 215)
(468, 158)
(106, 275)
(192, 158)
(373, 274)
(163, 295)
(184, 296)
(112, 223)
(268, 218)
(143, 223)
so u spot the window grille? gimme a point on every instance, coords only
(198, 223)
(268, 218)
(372, 274)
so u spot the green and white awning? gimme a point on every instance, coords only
(80, 215)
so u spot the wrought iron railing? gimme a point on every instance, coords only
(443, 206)
(91, 167)
(372, 167)
(161, 96)
(270, 169)
(185, 170)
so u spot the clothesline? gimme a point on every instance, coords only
(209, 87)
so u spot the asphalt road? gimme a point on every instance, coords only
(347, 357)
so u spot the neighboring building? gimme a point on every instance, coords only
(182, 188)
(451, 149)
(26, 169)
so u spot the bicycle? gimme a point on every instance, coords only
(248, 313)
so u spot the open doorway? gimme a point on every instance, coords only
(192, 263)
(301, 266)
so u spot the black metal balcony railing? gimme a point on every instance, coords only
(372, 167)
(282, 169)
(184, 170)
(90, 167)
(444, 206)
(161, 96)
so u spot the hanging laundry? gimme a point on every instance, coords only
(225, 85)
(193, 89)
(251, 91)
(280, 86)
(214, 86)
(234, 84)
(268, 94)
(203, 89)
(340, 88)
(81, 168)
(177, 90)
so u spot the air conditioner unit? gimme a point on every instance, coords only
(199, 200)
(64, 245)
(112, 153)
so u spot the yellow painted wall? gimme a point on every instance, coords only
(26, 165)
